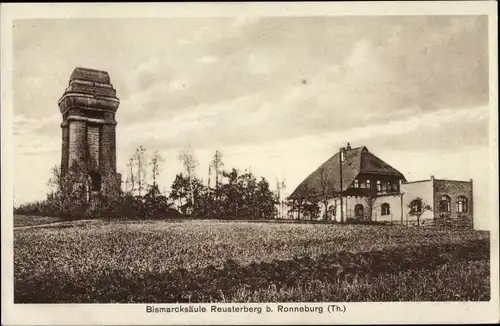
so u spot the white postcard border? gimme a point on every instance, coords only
(398, 313)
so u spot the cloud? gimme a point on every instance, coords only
(208, 59)
(360, 54)
(367, 83)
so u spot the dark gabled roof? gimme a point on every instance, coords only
(357, 160)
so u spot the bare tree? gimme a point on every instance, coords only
(282, 200)
(280, 185)
(209, 176)
(69, 192)
(304, 202)
(155, 162)
(130, 178)
(370, 203)
(140, 160)
(418, 207)
(217, 165)
(326, 191)
(189, 162)
(55, 181)
(278, 193)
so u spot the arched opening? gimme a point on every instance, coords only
(95, 181)
(331, 212)
(359, 211)
(462, 204)
(415, 207)
(385, 209)
(445, 204)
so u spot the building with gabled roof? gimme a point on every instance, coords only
(356, 184)
(349, 165)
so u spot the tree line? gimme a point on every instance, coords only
(232, 195)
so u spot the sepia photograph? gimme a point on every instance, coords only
(251, 159)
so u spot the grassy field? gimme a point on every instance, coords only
(211, 261)
(23, 221)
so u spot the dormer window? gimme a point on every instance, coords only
(356, 183)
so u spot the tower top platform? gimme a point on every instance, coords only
(92, 75)
(89, 89)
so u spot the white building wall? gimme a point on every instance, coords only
(399, 211)
(423, 189)
(349, 204)
(394, 215)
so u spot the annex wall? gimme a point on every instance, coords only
(454, 190)
(411, 190)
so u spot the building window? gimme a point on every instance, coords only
(461, 204)
(395, 186)
(445, 204)
(356, 183)
(386, 209)
(379, 186)
(416, 207)
(332, 211)
(368, 184)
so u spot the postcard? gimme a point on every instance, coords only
(249, 163)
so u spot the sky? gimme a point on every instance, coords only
(277, 95)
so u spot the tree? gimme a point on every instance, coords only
(304, 202)
(311, 209)
(130, 179)
(190, 163)
(140, 160)
(278, 195)
(326, 191)
(180, 190)
(55, 181)
(155, 162)
(156, 204)
(266, 200)
(183, 190)
(418, 207)
(217, 164)
(370, 201)
(154, 190)
(69, 194)
(230, 193)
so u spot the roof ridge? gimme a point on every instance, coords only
(352, 166)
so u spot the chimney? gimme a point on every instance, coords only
(348, 146)
(342, 151)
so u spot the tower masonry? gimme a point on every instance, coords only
(88, 108)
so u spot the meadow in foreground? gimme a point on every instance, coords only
(210, 261)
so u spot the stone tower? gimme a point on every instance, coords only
(88, 108)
